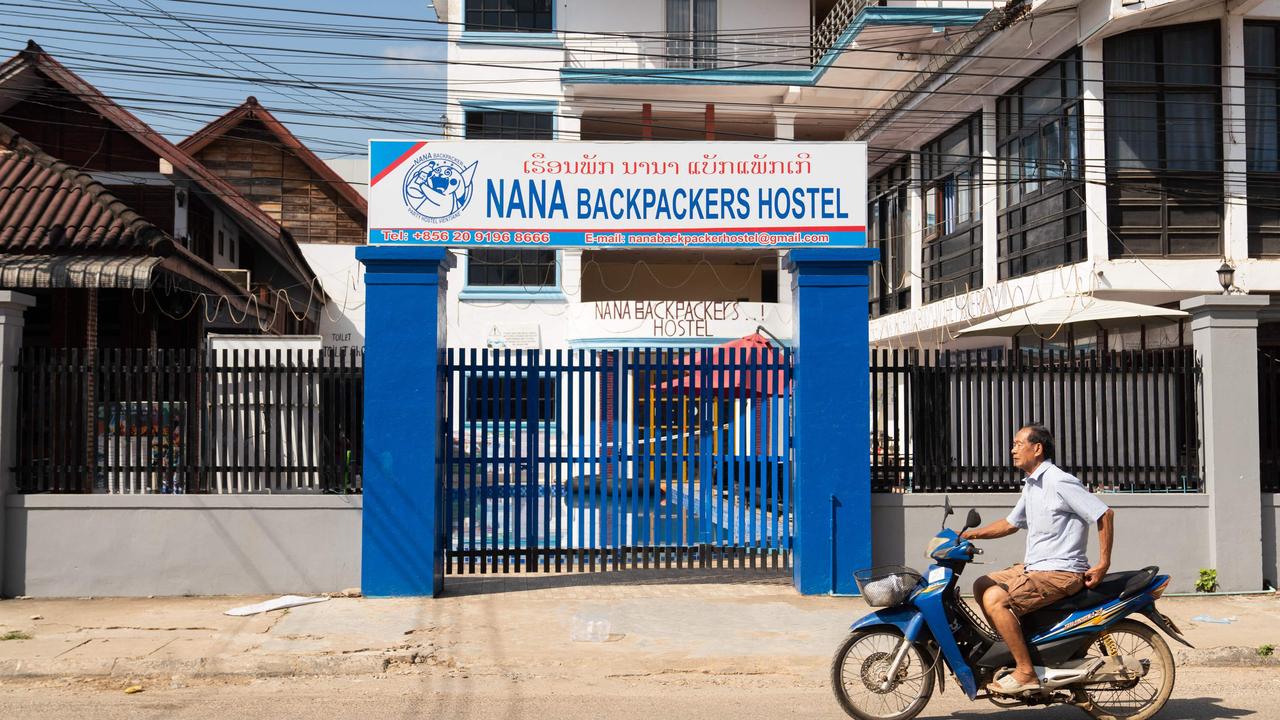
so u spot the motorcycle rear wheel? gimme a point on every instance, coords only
(1148, 695)
(859, 667)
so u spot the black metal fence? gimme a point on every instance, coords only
(186, 421)
(1269, 418)
(189, 421)
(1124, 421)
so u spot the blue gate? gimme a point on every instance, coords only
(581, 460)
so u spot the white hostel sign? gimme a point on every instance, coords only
(510, 193)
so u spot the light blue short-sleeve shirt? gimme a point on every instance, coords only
(1057, 511)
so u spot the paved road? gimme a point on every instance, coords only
(1201, 694)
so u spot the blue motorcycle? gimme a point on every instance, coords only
(1088, 649)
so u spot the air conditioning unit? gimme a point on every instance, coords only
(238, 276)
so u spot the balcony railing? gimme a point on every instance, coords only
(826, 34)
(794, 49)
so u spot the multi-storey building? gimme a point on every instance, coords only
(1018, 151)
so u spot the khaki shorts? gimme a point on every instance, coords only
(1032, 590)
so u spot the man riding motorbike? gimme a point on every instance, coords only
(1056, 510)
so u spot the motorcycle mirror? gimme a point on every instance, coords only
(946, 509)
(973, 520)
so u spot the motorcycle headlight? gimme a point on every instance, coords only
(934, 544)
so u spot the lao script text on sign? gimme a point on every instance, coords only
(503, 193)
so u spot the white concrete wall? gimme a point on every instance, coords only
(1164, 530)
(650, 17)
(594, 16)
(264, 343)
(470, 322)
(563, 319)
(1267, 9)
(342, 277)
(340, 274)
(80, 545)
(355, 170)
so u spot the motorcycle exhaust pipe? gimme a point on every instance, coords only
(1108, 669)
(1054, 678)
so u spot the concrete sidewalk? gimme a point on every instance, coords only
(517, 627)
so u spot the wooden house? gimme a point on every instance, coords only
(124, 239)
(256, 154)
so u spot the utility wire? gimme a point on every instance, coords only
(675, 74)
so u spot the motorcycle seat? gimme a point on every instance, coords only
(1114, 586)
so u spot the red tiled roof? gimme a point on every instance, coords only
(51, 210)
(251, 109)
(271, 236)
(49, 206)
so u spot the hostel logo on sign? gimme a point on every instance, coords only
(438, 187)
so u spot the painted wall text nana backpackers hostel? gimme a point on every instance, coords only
(672, 318)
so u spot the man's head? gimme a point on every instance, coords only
(1032, 445)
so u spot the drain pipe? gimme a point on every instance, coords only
(958, 54)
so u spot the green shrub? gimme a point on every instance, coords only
(15, 635)
(1208, 581)
(1266, 651)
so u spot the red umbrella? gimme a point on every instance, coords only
(732, 368)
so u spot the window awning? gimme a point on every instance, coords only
(124, 272)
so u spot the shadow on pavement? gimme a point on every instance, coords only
(461, 585)
(1204, 708)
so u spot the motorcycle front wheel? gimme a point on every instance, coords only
(1140, 698)
(859, 677)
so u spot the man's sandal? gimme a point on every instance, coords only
(1005, 684)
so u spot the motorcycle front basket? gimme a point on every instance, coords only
(886, 586)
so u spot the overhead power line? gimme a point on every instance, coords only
(555, 65)
(397, 31)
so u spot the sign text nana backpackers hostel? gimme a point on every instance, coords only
(500, 193)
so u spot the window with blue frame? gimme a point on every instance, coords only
(500, 267)
(509, 125)
(512, 398)
(529, 269)
(508, 16)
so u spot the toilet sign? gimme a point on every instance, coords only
(508, 193)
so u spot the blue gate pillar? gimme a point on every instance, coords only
(403, 528)
(832, 420)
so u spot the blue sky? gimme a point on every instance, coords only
(335, 81)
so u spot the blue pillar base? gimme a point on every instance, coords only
(832, 425)
(403, 542)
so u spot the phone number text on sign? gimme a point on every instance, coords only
(656, 238)
(462, 237)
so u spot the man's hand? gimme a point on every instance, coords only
(1106, 534)
(997, 529)
(1094, 575)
